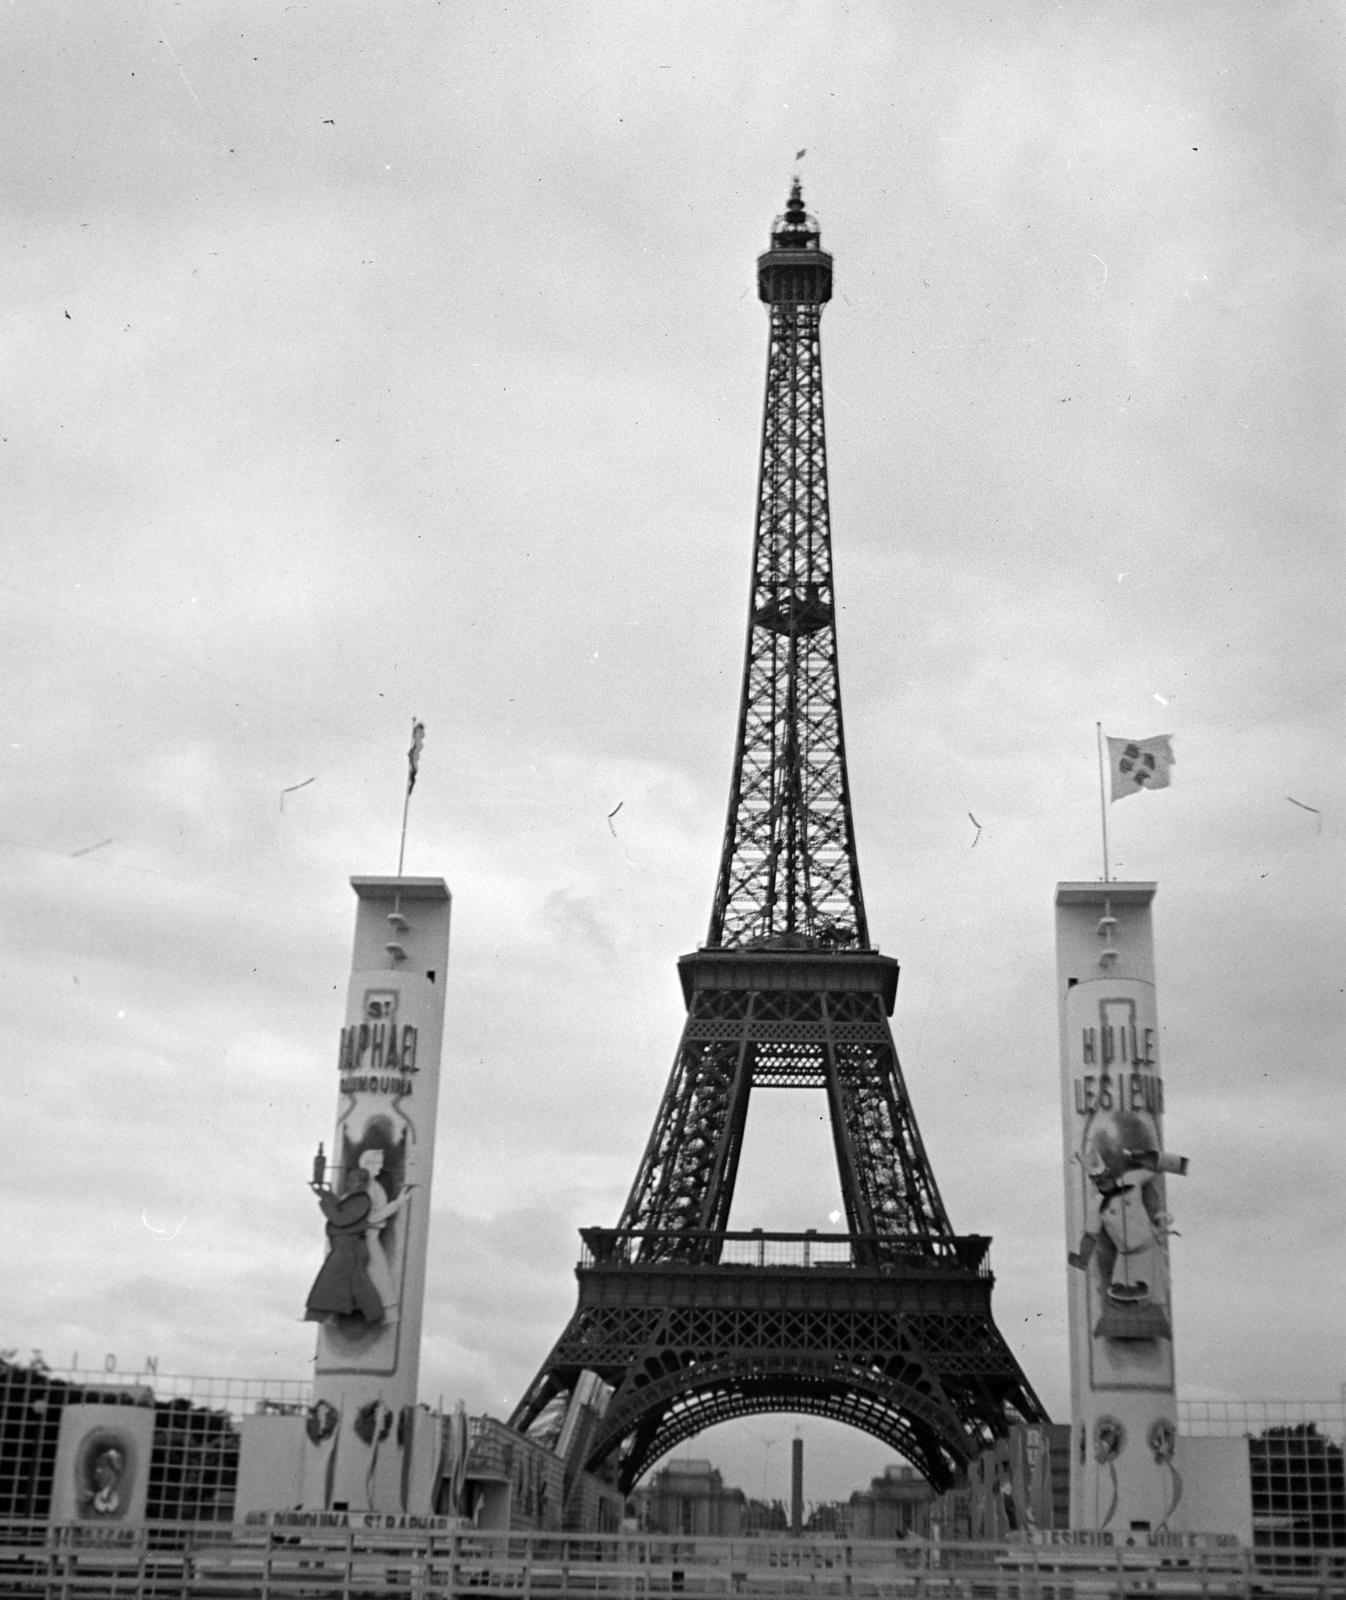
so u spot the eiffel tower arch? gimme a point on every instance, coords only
(886, 1327)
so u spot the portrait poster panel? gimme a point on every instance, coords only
(382, 1153)
(102, 1464)
(1118, 1213)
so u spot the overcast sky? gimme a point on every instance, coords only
(370, 361)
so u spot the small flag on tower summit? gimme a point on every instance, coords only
(1140, 764)
(414, 754)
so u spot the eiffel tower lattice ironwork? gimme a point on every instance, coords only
(888, 1326)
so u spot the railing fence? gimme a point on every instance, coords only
(189, 1561)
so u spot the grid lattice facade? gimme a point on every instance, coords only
(193, 1464)
(1298, 1489)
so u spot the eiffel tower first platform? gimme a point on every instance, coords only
(888, 1326)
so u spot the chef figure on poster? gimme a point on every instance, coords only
(343, 1287)
(357, 1278)
(1127, 1232)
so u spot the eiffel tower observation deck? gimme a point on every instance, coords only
(888, 1326)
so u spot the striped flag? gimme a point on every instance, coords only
(1140, 764)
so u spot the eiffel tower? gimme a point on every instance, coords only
(888, 1326)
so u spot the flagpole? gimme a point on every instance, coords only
(402, 843)
(1102, 801)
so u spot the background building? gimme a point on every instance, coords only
(894, 1505)
(193, 1467)
(689, 1496)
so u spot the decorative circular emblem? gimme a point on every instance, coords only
(1109, 1439)
(321, 1421)
(1162, 1439)
(373, 1420)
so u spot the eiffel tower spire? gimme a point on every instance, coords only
(687, 1323)
(788, 871)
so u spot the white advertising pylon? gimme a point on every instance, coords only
(1123, 1477)
(368, 1444)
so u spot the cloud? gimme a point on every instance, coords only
(573, 916)
(417, 369)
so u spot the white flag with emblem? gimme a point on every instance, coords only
(1140, 764)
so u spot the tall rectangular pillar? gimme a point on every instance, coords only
(1123, 1404)
(370, 1445)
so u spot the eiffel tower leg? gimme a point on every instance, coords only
(686, 1178)
(886, 1178)
(545, 1388)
